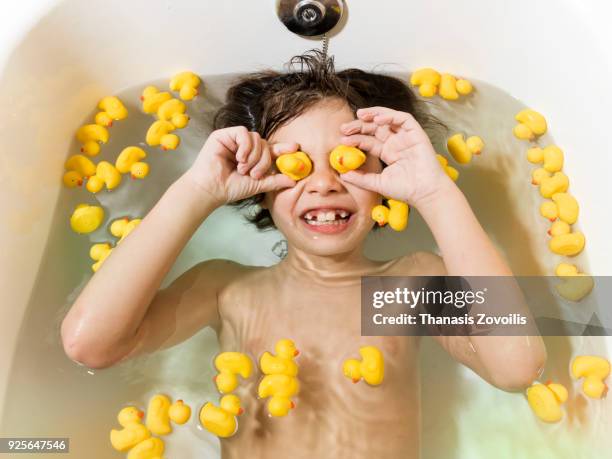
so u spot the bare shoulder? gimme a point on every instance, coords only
(420, 263)
(220, 272)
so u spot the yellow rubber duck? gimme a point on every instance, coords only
(296, 165)
(371, 368)
(280, 382)
(558, 228)
(567, 207)
(186, 83)
(449, 170)
(594, 370)
(282, 363)
(99, 253)
(152, 98)
(106, 174)
(121, 227)
(380, 214)
(91, 136)
(568, 245)
(229, 365)
(575, 285)
(159, 134)
(546, 399)
(129, 161)
(112, 109)
(396, 214)
(462, 150)
(151, 448)
(133, 431)
(72, 179)
(179, 412)
(139, 170)
(464, 87)
(538, 175)
(158, 420)
(280, 388)
(427, 80)
(222, 421)
(563, 206)
(78, 167)
(556, 183)
(86, 219)
(548, 209)
(173, 110)
(531, 125)
(344, 158)
(551, 157)
(448, 87)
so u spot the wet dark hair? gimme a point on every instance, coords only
(265, 101)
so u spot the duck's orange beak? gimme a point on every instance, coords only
(296, 353)
(240, 411)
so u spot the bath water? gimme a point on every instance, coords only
(462, 416)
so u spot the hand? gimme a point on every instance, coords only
(413, 172)
(235, 164)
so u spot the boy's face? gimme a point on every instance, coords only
(322, 215)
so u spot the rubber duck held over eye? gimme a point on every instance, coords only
(296, 166)
(344, 158)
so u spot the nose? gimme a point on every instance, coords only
(323, 180)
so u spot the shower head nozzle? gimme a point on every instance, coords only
(310, 18)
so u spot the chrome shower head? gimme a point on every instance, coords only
(309, 18)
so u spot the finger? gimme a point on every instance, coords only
(366, 180)
(358, 127)
(274, 182)
(387, 116)
(281, 148)
(254, 155)
(366, 143)
(263, 164)
(243, 139)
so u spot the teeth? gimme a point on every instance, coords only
(327, 217)
(318, 223)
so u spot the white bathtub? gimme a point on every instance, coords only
(57, 58)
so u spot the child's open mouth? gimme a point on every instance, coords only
(328, 221)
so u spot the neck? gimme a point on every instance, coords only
(347, 267)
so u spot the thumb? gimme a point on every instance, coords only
(274, 182)
(366, 180)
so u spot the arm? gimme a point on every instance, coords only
(414, 175)
(121, 312)
(508, 362)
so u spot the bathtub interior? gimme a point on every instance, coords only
(470, 418)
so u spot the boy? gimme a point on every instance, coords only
(313, 295)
